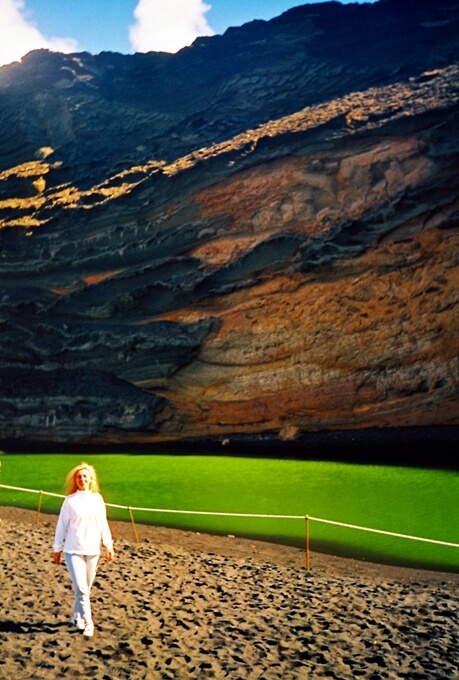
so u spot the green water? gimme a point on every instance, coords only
(415, 501)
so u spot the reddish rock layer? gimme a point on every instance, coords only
(278, 255)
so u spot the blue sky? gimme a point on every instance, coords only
(124, 26)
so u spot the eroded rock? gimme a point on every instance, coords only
(257, 235)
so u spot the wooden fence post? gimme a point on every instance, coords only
(308, 553)
(40, 498)
(133, 524)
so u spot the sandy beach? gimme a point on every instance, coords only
(187, 606)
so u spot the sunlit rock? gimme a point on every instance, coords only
(254, 237)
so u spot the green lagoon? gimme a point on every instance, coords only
(407, 500)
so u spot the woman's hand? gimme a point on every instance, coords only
(110, 554)
(57, 558)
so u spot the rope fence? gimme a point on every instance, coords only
(307, 518)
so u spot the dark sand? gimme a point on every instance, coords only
(189, 606)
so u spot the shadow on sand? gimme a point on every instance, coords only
(26, 628)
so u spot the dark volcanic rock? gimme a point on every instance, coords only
(61, 400)
(256, 235)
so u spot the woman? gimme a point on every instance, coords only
(81, 528)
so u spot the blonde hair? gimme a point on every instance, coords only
(70, 482)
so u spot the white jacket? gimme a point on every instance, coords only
(82, 525)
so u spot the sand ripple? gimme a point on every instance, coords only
(168, 611)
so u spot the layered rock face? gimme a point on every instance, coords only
(256, 236)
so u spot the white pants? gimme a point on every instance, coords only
(82, 569)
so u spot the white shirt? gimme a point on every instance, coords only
(82, 525)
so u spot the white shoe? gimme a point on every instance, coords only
(78, 622)
(88, 629)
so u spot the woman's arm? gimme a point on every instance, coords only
(61, 531)
(106, 534)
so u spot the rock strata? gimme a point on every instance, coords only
(221, 243)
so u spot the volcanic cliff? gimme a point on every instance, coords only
(257, 236)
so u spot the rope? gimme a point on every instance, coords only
(19, 488)
(130, 509)
(384, 533)
(205, 512)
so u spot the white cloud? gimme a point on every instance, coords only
(19, 35)
(168, 25)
